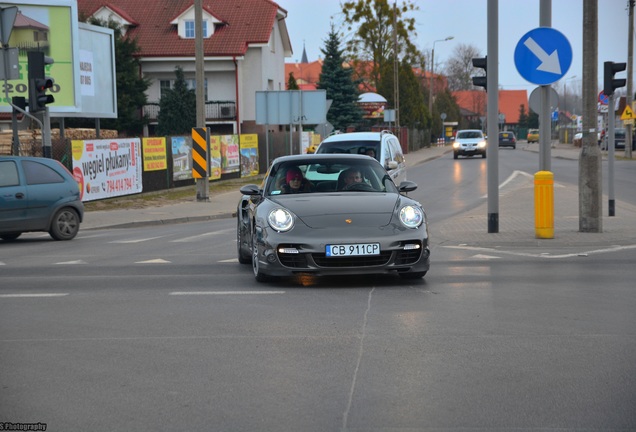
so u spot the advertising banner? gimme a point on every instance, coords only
(154, 154)
(215, 157)
(107, 168)
(249, 155)
(230, 160)
(182, 158)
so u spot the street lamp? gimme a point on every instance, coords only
(430, 79)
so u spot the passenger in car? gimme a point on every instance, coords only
(295, 182)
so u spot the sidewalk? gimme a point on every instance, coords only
(516, 213)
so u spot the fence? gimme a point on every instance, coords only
(270, 146)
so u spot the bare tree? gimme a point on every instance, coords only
(459, 68)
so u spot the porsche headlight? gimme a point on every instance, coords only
(411, 216)
(280, 219)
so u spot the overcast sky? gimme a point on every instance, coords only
(308, 22)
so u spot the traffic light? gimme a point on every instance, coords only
(38, 82)
(481, 81)
(609, 82)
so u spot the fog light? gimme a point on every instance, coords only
(411, 246)
(286, 250)
(270, 256)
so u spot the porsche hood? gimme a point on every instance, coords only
(347, 208)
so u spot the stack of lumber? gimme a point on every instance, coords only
(32, 138)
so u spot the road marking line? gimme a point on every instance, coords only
(71, 262)
(196, 237)
(135, 241)
(232, 260)
(175, 293)
(154, 261)
(33, 295)
(544, 254)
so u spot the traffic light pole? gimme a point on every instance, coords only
(46, 134)
(610, 156)
(492, 149)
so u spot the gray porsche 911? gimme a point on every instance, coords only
(331, 214)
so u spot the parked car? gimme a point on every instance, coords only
(38, 194)
(331, 228)
(533, 135)
(620, 136)
(507, 139)
(383, 146)
(469, 142)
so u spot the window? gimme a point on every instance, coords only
(36, 173)
(190, 30)
(8, 174)
(165, 85)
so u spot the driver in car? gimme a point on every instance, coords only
(351, 176)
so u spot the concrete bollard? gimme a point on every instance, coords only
(544, 204)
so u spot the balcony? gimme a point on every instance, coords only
(214, 111)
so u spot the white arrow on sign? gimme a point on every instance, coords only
(549, 62)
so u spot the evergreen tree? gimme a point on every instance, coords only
(292, 84)
(341, 88)
(412, 109)
(177, 108)
(523, 117)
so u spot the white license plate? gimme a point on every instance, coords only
(356, 249)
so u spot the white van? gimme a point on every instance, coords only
(384, 146)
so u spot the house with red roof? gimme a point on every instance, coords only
(473, 103)
(245, 43)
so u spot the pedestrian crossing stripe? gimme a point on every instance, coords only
(200, 140)
(627, 113)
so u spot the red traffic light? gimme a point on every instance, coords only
(42, 84)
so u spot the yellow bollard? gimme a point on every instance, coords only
(544, 204)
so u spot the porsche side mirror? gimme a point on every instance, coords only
(250, 189)
(407, 186)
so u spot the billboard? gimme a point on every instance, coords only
(97, 78)
(49, 26)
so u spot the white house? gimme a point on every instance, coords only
(245, 43)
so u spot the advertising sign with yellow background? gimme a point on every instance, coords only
(49, 26)
(215, 157)
(154, 151)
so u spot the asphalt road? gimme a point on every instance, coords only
(160, 328)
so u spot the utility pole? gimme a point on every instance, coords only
(590, 180)
(396, 71)
(203, 184)
(630, 68)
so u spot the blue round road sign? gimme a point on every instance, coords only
(603, 98)
(543, 56)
